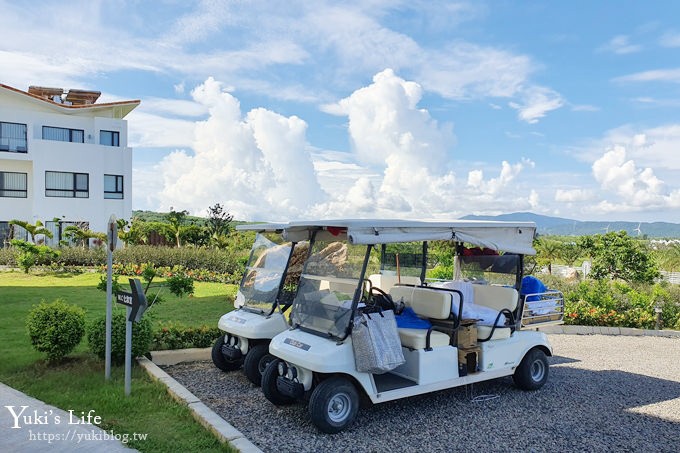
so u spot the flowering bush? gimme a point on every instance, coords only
(603, 303)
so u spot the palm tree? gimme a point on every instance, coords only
(32, 229)
(548, 250)
(76, 233)
(175, 220)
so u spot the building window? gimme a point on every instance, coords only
(4, 234)
(113, 186)
(9, 232)
(69, 185)
(109, 138)
(57, 229)
(13, 185)
(62, 134)
(13, 137)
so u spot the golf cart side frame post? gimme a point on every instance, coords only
(358, 291)
(277, 303)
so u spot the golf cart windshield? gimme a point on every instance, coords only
(487, 266)
(403, 260)
(264, 273)
(330, 281)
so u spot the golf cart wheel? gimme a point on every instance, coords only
(220, 361)
(532, 372)
(334, 404)
(256, 362)
(271, 392)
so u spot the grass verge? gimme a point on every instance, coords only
(78, 383)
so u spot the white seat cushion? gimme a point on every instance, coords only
(426, 303)
(500, 333)
(496, 297)
(417, 338)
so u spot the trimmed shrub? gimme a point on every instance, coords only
(55, 328)
(7, 257)
(141, 337)
(79, 256)
(176, 336)
(221, 261)
(180, 284)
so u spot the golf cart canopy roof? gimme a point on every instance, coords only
(513, 237)
(262, 227)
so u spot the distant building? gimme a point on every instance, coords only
(63, 156)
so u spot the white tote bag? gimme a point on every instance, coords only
(375, 339)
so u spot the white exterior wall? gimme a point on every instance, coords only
(50, 155)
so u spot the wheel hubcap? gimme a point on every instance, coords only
(537, 371)
(264, 361)
(339, 407)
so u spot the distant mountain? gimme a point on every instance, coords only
(558, 226)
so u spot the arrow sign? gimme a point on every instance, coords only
(124, 298)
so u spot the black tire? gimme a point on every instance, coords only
(220, 361)
(271, 373)
(256, 362)
(334, 404)
(532, 371)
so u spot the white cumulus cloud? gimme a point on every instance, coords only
(573, 195)
(258, 165)
(637, 188)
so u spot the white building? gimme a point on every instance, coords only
(63, 156)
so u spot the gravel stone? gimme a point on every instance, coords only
(613, 393)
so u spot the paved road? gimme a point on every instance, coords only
(50, 431)
(605, 393)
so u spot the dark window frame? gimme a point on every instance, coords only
(115, 138)
(3, 189)
(70, 134)
(74, 191)
(119, 185)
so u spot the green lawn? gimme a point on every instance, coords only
(78, 383)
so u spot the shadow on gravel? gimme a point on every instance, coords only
(577, 410)
(559, 360)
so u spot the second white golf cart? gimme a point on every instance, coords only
(265, 293)
(343, 278)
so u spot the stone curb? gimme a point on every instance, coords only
(205, 416)
(602, 330)
(175, 356)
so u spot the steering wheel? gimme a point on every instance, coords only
(387, 297)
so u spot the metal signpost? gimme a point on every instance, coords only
(112, 237)
(136, 306)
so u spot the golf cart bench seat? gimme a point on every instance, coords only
(498, 298)
(387, 281)
(426, 303)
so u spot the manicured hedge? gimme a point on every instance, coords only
(177, 336)
(216, 261)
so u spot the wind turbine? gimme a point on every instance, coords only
(606, 230)
(639, 231)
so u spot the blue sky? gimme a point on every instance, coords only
(413, 109)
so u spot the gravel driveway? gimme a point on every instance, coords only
(605, 393)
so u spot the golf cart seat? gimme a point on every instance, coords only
(426, 303)
(387, 281)
(500, 298)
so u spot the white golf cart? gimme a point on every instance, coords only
(265, 293)
(343, 277)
